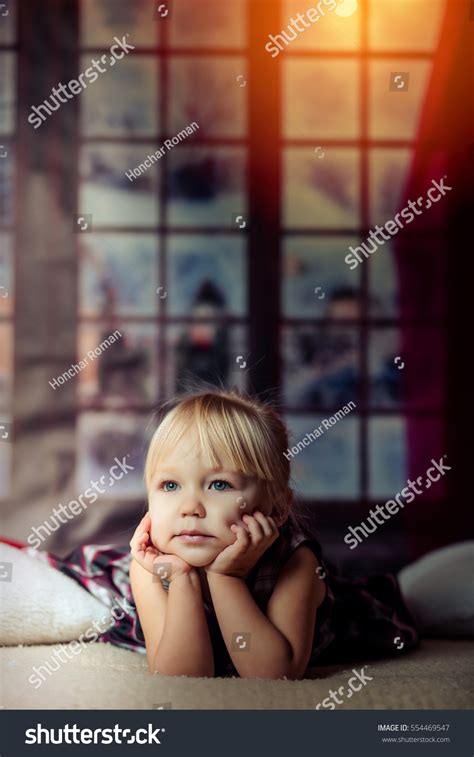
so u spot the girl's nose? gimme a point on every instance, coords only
(193, 506)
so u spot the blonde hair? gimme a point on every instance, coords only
(250, 431)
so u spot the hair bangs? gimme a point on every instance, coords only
(224, 428)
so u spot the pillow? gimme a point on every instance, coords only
(39, 604)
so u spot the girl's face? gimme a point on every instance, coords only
(186, 495)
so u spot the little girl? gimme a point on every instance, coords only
(222, 578)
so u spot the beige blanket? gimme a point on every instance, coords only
(438, 675)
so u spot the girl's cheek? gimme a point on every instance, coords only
(156, 530)
(245, 506)
(153, 533)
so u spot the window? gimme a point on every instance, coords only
(177, 284)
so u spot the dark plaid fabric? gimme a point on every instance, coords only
(358, 619)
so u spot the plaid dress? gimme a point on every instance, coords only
(358, 618)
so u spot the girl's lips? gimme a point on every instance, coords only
(193, 538)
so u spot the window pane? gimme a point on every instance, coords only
(7, 93)
(206, 187)
(205, 90)
(328, 110)
(388, 177)
(118, 274)
(328, 32)
(395, 114)
(416, 379)
(209, 23)
(101, 438)
(205, 353)
(6, 364)
(321, 193)
(7, 295)
(112, 197)
(102, 20)
(390, 467)
(407, 25)
(384, 285)
(388, 456)
(310, 263)
(207, 272)
(121, 373)
(123, 101)
(328, 468)
(321, 365)
(7, 187)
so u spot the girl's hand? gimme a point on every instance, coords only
(149, 557)
(239, 558)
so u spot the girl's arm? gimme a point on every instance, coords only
(174, 623)
(185, 648)
(280, 641)
(151, 602)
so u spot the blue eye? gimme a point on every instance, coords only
(166, 484)
(221, 486)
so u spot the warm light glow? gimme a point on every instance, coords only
(347, 8)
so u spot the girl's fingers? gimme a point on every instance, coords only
(242, 535)
(272, 524)
(143, 528)
(274, 532)
(267, 523)
(141, 541)
(255, 527)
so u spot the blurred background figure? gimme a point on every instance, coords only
(202, 351)
(330, 354)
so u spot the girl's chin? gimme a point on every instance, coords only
(195, 555)
(195, 562)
